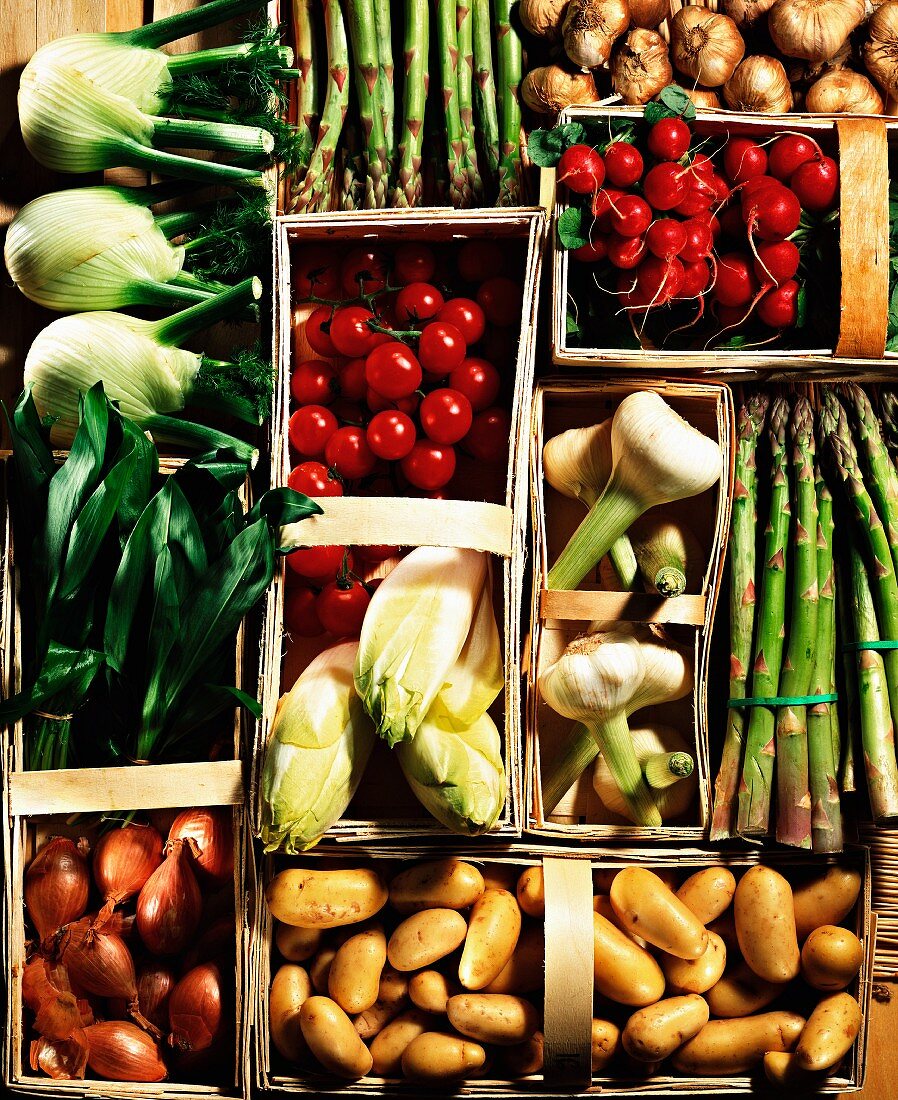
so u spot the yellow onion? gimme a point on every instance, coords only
(195, 1009)
(590, 29)
(705, 98)
(212, 830)
(57, 883)
(169, 906)
(813, 29)
(648, 13)
(881, 47)
(640, 66)
(124, 859)
(543, 18)
(759, 85)
(705, 46)
(549, 89)
(120, 1051)
(843, 92)
(745, 13)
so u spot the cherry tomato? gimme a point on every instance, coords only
(300, 616)
(446, 415)
(478, 380)
(319, 562)
(413, 263)
(350, 333)
(441, 348)
(348, 412)
(479, 260)
(467, 316)
(391, 435)
(376, 554)
(315, 480)
(488, 437)
(314, 382)
(341, 606)
(347, 451)
(418, 302)
(366, 267)
(312, 272)
(500, 347)
(317, 334)
(393, 370)
(429, 465)
(378, 403)
(352, 381)
(310, 428)
(501, 300)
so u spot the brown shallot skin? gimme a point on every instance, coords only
(195, 1009)
(155, 983)
(170, 905)
(120, 1051)
(212, 829)
(124, 859)
(99, 962)
(57, 884)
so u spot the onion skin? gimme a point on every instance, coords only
(195, 1009)
(705, 46)
(881, 47)
(124, 859)
(640, 66)
(549, 89)
(98, 962)
(170, 905)
(61, 1059)
(213, 831)
(813, 29)
(759, 85)
(57, 885)
(120, 1051)
(843, 92)
(155, 983)
(647, 14)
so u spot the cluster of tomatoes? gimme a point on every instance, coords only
(325, 594)
(680, 225)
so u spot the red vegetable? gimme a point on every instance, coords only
(488, 437)
(170, 905)
(300, 615)
(413, 263)
(418, 302)
(446, 415)
(393, 370)
(348, 453)
(669, 139)
(441, 348)
(581, 169)
(57, 883)
(631, 217)
(195, 1009)
(350, 332)
(501, 300)
(429, 465)
(211, 828)
(660, 280)
(391, 434)
(816, 184)
(310, 428)
(789, 152)
(776, 261)
(478, 380)
(779, 307)
(467, 316)
(699, 240)
(772, 212)
(736, 284)
(623, 164)
(666, 238)
(743, 159)
(626, 252)
(120, 1051)
(315, 480)
(314, 382)
(315, 332)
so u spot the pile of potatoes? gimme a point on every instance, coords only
(439, 975)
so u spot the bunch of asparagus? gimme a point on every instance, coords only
(363, 141)
(813, 612)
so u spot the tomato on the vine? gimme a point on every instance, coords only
(300, 616)
(341, 606)
(441, 348)
(313, 273)
(429, 465)
(316, 334)
(501, 300)
(488, 437)
(467, 316)
(315, 480)
(413, 263)
(366, 268)
(446, 415)
(478, 380)
(314, 382)
(418, 302)
(391, 435)
(376, 554)
(319, 562)
(352, 381)
(479, 259)
(500, 346)
(347, 451)
(310, 428)
(350, 333)
(393, 370)
(348, 412)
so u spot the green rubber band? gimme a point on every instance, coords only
(854, 646)
(782, 700)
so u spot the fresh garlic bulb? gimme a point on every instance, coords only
(881, 47)
(648, 13)
(590, 29)
(543, 18)
(759, 85)
(549, 89)
(640, 66)
(843, 92)
(705, 98)
(745, 13)
(705, 46)
(674, 786)
(813, 29)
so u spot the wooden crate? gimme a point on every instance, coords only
(557, 617)
(498, 528)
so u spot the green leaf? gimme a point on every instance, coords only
(571, 326)
(801, 304)
(572, 133)
(672, 102)
(573, 227)
(544, 147)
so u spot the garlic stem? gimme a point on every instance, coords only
(611, 515)
(663, 769)
(578, 753)
(616, 745)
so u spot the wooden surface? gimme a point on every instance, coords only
(882, 1071)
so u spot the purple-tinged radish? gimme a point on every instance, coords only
(666, 238)
(581, 169)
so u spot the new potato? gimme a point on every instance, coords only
(497, 1018)
(831, 957)
(325, 899)
(696, 975)
(425, 937)
(389, 1045)
(622, 970)
(525, 970)
(333, 1040)
(708, 892)
(320, 968)
(290, 990)
(655, 1032)
(531, 893)
(435, 1056)
(493, 931)
(430, 990)
(740, 992)
(353, 980)
(765, 924)
(829, 1033)
(374, 1019)
(605, 1043)
(648, 908)
(297, 944)
(726, 1047)
(827, 898)
(441, 884)
(525, 1059)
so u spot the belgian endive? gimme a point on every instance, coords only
(320, 743)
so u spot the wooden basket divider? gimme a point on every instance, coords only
(495, 528)
(884, 862)
(695, 610)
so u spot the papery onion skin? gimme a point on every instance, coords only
(648, 13)
(169, 906)
(155, 983)
(705, 46)
(212, 829)
(759, 85)
(549, 89)
(57, 885)
(120, 1051)
(590, 29)
(640, 66)
(543, 18)
(745, 13)
(706, 98)
(195, 1009)
(843, 92)
(99, 962)
(61, 1059)
(881, 47)
(124, 859)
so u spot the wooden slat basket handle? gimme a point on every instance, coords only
(863, 237)
(567, 1054)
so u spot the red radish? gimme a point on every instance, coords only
(701, 165)
(776, 261)
(779, 307)
(592, 251)
(669, 139)
(719, 186)
(730, 316)
(699, 240)
(816, 184)
(665, 185)
(755, 185)
(736, 284)
(698, 200)
(631, 216)
(789, 152)
(623, 164)
(625, 252)
(772, 213)
(581, 169)
(743, 159)
(631, 295)
(660, 279)
(731, 224)
(712, 220)
(696, 277)
(604, 200)
(666, 238)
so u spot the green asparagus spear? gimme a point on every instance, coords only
(883, 480)
(447, 51)
(363, 39)
(385, 88)
(756, 788)
(847, 708)
(888, 407)
(485, 90)
(306, 83)
(509, 74)
(742, 606)
(410, 184)
(464, 22)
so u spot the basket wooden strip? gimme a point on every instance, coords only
(884, 891)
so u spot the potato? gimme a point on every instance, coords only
(605, 1043)
(374, 1019)
(493, 1017)
(646, 906)
(783, 1070)
(827, 898)
(424, 937)
(525, 970)
(524, 1059)
(435, 1056)
(393, 988)
(765, 924)
(725, 927)
(740, 992)
(389, 1045)
(297, 944)
(320, 968)
(623, 971)
(602, 878)
(353, 980)
(493, 932)
(655, 1032)
(440, 884)
(831, 957)
(531, 893)
(829, 1033)
(325, 899)
(333, 1040)
(708, 892)
(290, 989)
(501, 876)
(696, 975)
(430, 990)
(726, 1047)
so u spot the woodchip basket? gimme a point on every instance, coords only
(862, 146)
(557, 617)
(384, 806)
